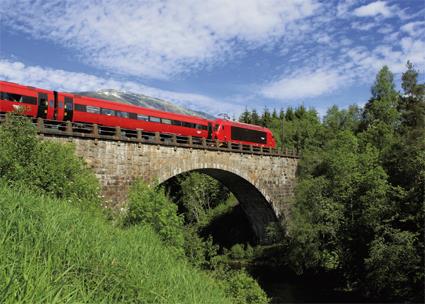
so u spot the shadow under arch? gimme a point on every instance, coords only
(256, 207)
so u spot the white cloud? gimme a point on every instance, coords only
(304, 85)
(414, 29)
(323, 38)
(156, 39)
(61, 80)
(344, 6)
(363, 26)
(368, 62)
(374, 9)
(385, 29)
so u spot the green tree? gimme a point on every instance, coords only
(409, 82)
(274, 115)
(412, 103)
(338, 120)
(289, 115)
(382, 107)
(392, 266)
(255, 118)
(199, 195)
(281, 114)
(359, 203)
(245, 116)
(266, 118)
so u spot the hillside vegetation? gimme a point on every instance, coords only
(54, 252)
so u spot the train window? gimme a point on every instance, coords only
(51, 103)
(216, 127)
(61, 106)
(94, 110)
(69, 103)
(176, 123)
(132, 115)
(249, 135)
(166, 121)
(154, 119)
(18, 98)
(11, 97)
(107, 112)
(201, 127)
(188, 124)
(142, 117)
(78, 107)
(122, 114)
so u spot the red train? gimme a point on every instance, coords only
(70, 107)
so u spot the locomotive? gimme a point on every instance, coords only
(62, 106)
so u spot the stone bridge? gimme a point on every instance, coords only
(262, 184)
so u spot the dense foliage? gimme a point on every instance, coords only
(359, 205)
(44, 166)
(149, 206)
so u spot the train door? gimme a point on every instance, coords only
(51, 107)
(42, 105)
(56, 101)
(59, 98)
(209, 130)
(68, 108)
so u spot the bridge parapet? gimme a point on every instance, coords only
(96, 132)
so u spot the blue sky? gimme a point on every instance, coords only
(218, 56)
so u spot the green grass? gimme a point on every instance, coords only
(54, 252)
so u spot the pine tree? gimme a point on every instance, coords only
(289, 116)
(282, 114)
(384, 84)
(266, 118)
(410, 82)
(412, 103)
(382, 107)
(255, 119)
(274, 114)
(300, 112)
(245, 116)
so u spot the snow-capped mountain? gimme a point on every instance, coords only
(143, 101)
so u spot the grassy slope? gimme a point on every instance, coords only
(51, 251)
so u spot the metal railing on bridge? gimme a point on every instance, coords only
(96, 132)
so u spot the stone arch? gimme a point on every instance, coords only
(253, 202)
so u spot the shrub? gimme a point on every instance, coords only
(200, 252)
(152, 207)
(241, 287)
(43, 165)
(237, 251)
(249, 251)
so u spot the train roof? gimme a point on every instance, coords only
(127, 107)
(130, 107)
(243, 125)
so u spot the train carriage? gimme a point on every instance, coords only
(61, 106)
(242, 133)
